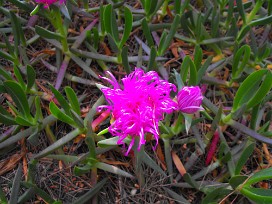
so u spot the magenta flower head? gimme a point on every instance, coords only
(189, 99)
(47, 3)
(137, 105)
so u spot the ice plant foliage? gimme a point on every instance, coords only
(137, 105)
(47, 3)
(189, 99)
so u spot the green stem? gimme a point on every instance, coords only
(227, 118)
(90, 141)
(168, 158)
(138, 162)
(119, 57)
(57, 22)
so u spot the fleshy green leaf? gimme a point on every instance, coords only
(258, 195)
(187, 177)
(19, 77)
(95, 38)
(59, 143)
(241, 10)
(108, 142)
(5, 74)
(127, 26)
(151, 62)
(6, 56)
(198, 55)
(169, 37)
(179, 81)
(262, 91)
(177, 6)
(33, 139)
(147, 33)
(244, 157)
(261, 21)
(73, 99)
(9, 46)
(151, 163)
(261, 175)
(188, 121)
(125, 63)
(201, 72)
(22, 121)
(185, 68)
(62, 157)
(19, 97)
(64, 104)
(237, 180)
(216, 120)
(242, 54)
(79, 170)
(57, 113)
(199, 28)
(110, 23)
(112, 169)
(215, 22)
(162, 40)
(248, 88)
(16, 186)
(31, 76)
(17, 29)
(64, 11)
(193, 74)
(38, 114)
(154, 7)
(6, 117)
(47, 34)
(215, 195)
(101, 21)
(84, 66)
(235, 115)
(77, 119)
(178, 197)
(102, 132)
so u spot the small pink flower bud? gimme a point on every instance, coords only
(189, 99)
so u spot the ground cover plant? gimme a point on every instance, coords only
(135, 101)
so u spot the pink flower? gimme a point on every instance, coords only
(138, 105)
(47, 3)
(189, 99)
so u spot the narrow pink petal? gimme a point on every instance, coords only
(130, 146)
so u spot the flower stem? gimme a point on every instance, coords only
(168, 158)
(62, 71)
(138, 162)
